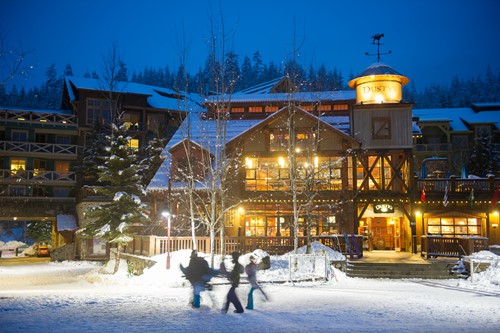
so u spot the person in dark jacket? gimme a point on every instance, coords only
(234, 277)
(198, 274)
(251, 270)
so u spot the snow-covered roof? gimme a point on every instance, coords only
(379, 69)
(458, 117)
(305, 97)
(51, 111)
(66, 222)
(157, 97)
(262, 88)
(341, 123)
(202, 133)
(272, 92)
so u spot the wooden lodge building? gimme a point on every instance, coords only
(352, 162)
(40, 151)
(357, 165)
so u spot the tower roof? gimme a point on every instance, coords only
(378, 69)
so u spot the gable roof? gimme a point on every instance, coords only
(279, 85)
(200, 132)
(282, 90)
(157, 97)
(284, 113)
(203, 133)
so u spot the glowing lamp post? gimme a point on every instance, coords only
(166, 214)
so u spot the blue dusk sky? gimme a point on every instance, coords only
(431, 40)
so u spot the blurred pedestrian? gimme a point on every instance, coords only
(251, 270)
(198, 274)
(234, 277)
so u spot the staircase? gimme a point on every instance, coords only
(373, 270)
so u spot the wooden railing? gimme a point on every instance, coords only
(458, 184)
(433, 147)
(156, 245)
(38, 148)
(40, 118)
(32, 175)
(439, 246)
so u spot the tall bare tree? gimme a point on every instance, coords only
(12, 62)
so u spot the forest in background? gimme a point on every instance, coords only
(461, 92)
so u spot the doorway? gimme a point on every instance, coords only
(384, 233)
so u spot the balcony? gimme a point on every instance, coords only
(433, 147)
(37, 177)
(42, 119)
(458, 185)
(34, 148)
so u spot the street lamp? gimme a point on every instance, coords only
(166, 214)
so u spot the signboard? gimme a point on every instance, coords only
(383, 208)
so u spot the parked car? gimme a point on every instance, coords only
(43, 250)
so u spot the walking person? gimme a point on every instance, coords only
(251, 270)
(234, 277)
(198, 274)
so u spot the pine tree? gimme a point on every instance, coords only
(482, 159)
(93, 155)
(40, 231)
(68, 70)
(113, 221)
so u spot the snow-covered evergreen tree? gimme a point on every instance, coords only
(121, 172)
(92, 156)
(483, 159)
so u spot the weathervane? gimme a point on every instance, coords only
(376, 40)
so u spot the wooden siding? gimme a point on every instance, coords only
(400, 126)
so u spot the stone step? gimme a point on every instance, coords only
(400, 270)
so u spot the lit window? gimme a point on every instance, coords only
(134, 144)
(18, 165)
(271, 108)
(62, 167)
(255, 109)
(237, 110)
(324, 107)
(131, 121)
(38, 167)
(340, 107)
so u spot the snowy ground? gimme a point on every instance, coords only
(79, 296)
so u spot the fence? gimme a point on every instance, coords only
(156, 245)
(436, 246)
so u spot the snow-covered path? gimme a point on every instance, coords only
(81, 296)
(351, 305)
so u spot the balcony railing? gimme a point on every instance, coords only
(458, 184)
(26, 176)
(433, 147)
(38, 148)
(40, 118)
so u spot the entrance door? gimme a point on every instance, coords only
(386, 233)
(397, 235)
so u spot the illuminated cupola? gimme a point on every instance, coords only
(379, 84)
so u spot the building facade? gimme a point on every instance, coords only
(41, 152)
(342, 162)
(282, 163)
